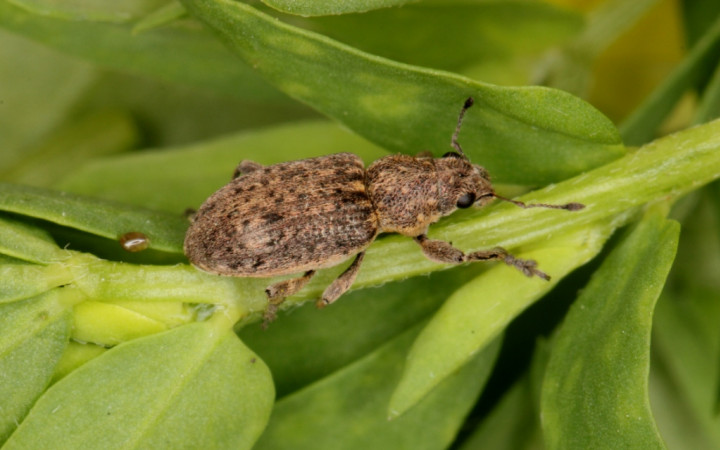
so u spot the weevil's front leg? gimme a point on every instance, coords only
(245, 167)
(444, 252)
(276, 294)
(341, 283)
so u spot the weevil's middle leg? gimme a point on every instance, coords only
(341, 283)
(245, 167)
(276, 294)
(444, 252)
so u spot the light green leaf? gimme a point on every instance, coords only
(33, 102)
(21, 281)
(324, 8)
(90, 10)
(348, 408)
(33, 335)
(101, 133)
(164, 15)
(530, 135)
(480, 310)
(193, 386)
(27, 242)
(595, 391)
(103, 218)
(175, 53)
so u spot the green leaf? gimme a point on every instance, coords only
(103, 218)
(571, 69)
(641, 126)
(348, 408)
(530, 135)
(28, 243)
(89, 9)
(709, 107)
(175, 53)
(595, 391)
(387, 310)
(21, 281)
(511, 425)
(193, 386)
(479, 311)
(101, 133)
(457, 35)
(37, 104)
(34, 334)
(685, 347)
(315, 8)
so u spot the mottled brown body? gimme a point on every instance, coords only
(285, 218)
(306, 215)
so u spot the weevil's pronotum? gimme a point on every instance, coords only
(306, 215)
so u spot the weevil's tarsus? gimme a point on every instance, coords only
(566, 206)
(444, 252)
(341, 283)
(276, 294)
(454, 141)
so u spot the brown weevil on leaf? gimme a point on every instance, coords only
(306, 215)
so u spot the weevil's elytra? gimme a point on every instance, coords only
(134, 241)
(305, 215)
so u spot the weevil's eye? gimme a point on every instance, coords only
(452, 155)
(466, 200)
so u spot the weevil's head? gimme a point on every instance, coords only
(461, 184)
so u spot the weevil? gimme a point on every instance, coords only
(301, 216)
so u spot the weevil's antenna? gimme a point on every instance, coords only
(566, 206)
(456, 145)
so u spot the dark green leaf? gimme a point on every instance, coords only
(104, 218)
(348, 408)
(511, 425)
(193, 386)
(595, 390)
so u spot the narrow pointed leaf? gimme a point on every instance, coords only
(479, 311)
(595, 391)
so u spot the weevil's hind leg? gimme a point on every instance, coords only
(245, 167)
(276, 294)
(444, 252)
(341, 283)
